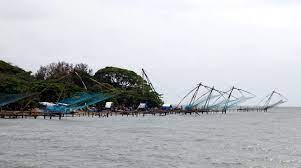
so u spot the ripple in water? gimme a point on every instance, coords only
(234, 140)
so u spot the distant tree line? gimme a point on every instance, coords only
(57, 81)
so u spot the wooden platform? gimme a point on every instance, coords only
(106, 113)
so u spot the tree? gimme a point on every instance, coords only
(78, 74)
(15, 80)
(118, 77)
(61, 69)
(57, 81)
(132, 88)
(83, 69)
(7, 68)
(54, 71)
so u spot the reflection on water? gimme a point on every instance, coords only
(252, 139)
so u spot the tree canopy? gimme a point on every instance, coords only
(60, 80)
(118, 77)
(133, 89)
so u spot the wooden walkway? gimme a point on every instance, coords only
(102, 114)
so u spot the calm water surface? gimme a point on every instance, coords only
(239, 140)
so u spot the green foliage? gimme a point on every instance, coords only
(59, 80)
(9, 69)
(11, 84)
(118, 77)
(131, 87)
(13, 79)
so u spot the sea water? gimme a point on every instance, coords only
(234, 140)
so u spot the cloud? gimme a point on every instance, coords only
(252, 44)
(19, 10)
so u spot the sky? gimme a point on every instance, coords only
(252, 44)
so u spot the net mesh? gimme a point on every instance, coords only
(6, 99)
(78, 102)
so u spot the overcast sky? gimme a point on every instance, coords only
(252, 44)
